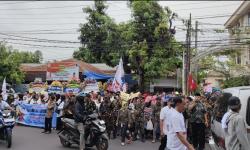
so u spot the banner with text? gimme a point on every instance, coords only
(62, 71)
(33, 115)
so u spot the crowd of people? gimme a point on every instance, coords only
(138, 118)
(176, 121)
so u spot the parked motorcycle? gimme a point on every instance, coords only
(7, 123)
(96, 128)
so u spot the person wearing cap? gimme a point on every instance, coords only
(234, 127)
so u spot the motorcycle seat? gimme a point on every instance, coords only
(70, 121)
(93, 116)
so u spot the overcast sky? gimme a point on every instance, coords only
(22, 22)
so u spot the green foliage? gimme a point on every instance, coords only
(201, 76)
(212, 62)
(237, 81)
(98, 36)
(145, 42)
(10, 61)
(154, 52)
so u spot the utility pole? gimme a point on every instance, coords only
(186, 58)
(196, 51)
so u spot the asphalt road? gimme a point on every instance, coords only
(28, 138)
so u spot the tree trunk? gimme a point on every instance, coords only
(141, 80)
(140, 72)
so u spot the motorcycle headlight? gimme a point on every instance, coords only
(102, 129)
(102, 122)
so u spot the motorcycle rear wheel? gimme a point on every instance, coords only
(103, 144)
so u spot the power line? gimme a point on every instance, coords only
(195, 8)
(36, 45)
(31, 8)
(29, 40)
(34, 33)
(47, 30)
(46, 40)
(29, 23)
(15, 3)
(76, 42)
(190, 3)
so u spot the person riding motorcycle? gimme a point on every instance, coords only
(80, 116)
(4, 105)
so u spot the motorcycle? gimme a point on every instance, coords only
(96, 128)
(7, 123)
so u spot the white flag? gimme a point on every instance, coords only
(4, 90)
(117, 82)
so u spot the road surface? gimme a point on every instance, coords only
(29, 138)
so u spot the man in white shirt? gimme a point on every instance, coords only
(164, 115)
(59, 111)
(177, 136)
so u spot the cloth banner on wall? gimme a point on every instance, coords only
(33, 115)
(97, 76)
(62, 71)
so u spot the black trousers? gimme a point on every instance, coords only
(124, 132)
(139, 128)
(163, 143)
(58, 123)
(198, 135)
(48, 124)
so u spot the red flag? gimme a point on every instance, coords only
(192, 86)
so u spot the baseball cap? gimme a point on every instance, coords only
(166, 98)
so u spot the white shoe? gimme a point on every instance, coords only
(122, 143)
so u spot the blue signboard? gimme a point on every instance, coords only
(33, 115)
(71, 90)
(55, 89)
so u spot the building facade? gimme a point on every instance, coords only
(238, 26)
(33, 71)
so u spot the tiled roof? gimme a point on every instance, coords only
(33, 68)
(43, 67)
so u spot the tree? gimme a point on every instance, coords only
(146, 42)
(236, 81)
(10, 61)
(97, 36)
(213, 62)
(38, 56)
(154, 51)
